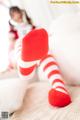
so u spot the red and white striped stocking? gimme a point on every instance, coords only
(58, 95)
(29, 51)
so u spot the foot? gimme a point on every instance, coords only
(58, 99)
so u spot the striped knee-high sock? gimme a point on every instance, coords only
(26, 69)
(58, 95)
(30, 50)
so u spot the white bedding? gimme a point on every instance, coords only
(36, 106)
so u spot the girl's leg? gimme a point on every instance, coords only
(58, 95)
(26, 69)
(30, 50)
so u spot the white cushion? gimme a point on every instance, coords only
(12, 91)
(65, 44)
